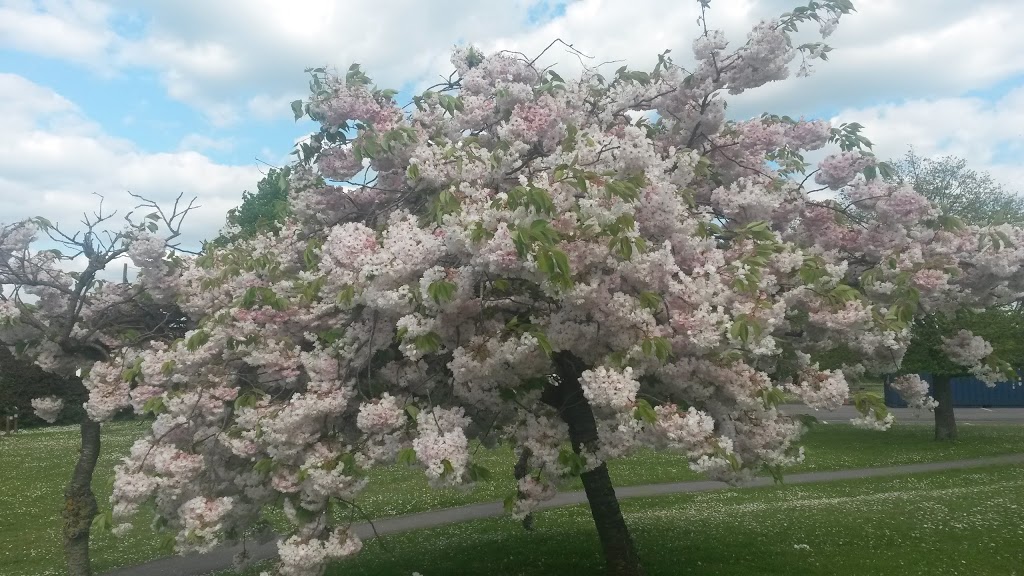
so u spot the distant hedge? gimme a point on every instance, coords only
(21, 381)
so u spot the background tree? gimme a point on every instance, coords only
(73, 322)
(21, 381)
(260, 211)
(532, 263)
(974, 198)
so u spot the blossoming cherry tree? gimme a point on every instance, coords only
(581, 267)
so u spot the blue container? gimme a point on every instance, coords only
(968, 392)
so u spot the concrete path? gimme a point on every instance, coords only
(221, 559)
(911, 416)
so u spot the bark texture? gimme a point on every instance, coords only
(945, 419)
(620, 554)
(80, 502)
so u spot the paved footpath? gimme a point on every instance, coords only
(912, 416)
(221, 558)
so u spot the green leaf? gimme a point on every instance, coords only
(740, 329)
(311, 255)
(773, 396)
(167, 544)
(297, 109)
(346, 295)
(197, 340)
(571, 460)
(132, 372)
(167, 368)
(866, 402)
(264, 466)
(447, 468)
(407, 456)
(103, 522)
(886, 170)
(154, 406)
(449, 103)
(569, 142)
(647, 347)
(870, 277)
(247, 400)
(662, 348)
(349, 466)
(412, 411)
(478, 473)
(562, 273)
(775, 471)
(806, 419)
(650, 300)
(542, 342)
(441, 291)
(428, 343)
(645, 412)
(844, 293)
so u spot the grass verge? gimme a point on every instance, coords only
(36, 464)
(948, 523)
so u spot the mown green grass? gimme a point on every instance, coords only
(950, 523)
(35, 465)
(827, 447)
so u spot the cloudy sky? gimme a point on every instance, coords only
(161, 97)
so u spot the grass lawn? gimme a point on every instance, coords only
(951, 523)
(827, 447)
(36, 464)
(34, 468)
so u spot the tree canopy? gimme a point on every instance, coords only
(581, 265)
(974, 198)
(958, 190)
(260, 211)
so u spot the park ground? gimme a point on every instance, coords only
(950, 522)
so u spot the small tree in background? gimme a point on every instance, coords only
(75, 324)
(973, 198)
(21, 381)
(261, 211)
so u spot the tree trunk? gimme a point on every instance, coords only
(80, 503)
(619, 552)
(519, 472)
(945, 420)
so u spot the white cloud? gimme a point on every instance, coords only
(75, 30)
(901, 68)
(265, 107)
(234, 58)
(980, 131)
(909, 49)
(53, 162)
(199, 142)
